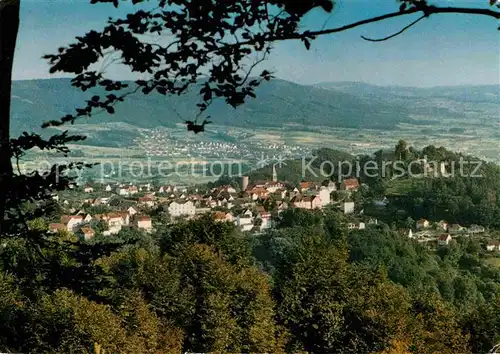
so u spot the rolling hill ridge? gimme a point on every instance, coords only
(278, 103)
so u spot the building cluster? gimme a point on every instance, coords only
(443, 233)
(113, 222)
(250, 207)
(167, 143)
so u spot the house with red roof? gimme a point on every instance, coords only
(87, 233)
(147, 201)
(444, 240)
(351, 184)
(306, 202)
(55, 227)
(72, 221)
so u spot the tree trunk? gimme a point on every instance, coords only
(9, 25)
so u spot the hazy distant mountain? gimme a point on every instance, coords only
(447, 101)
(469, 93)
(355, 105)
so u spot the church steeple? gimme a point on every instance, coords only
(275, 174)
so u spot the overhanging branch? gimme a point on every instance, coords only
(394, 34)
(429, 10)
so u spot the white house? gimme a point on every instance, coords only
(358, 226)
(184, 208)
(476, 229)
(131, 211)
(122, 191)
(115, 222)
(127, 190)
(442, 225)
(244, 222)
(273, 186)
(324, 196)
(493, 246)
(88, 189)
(265, 218)
(147, 201)
(332, 187)
(104, 200)
(422, 224)
(72, 221)
(306, 202)
(144, 223)
(348, 207)
(226, 189)
(167, 189)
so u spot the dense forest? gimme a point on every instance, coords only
(203, 286)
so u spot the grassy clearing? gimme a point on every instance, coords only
(401, 186)
(494, 261)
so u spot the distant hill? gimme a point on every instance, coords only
(470, 93)
(278, 103)
(446, 101)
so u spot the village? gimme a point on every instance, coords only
(443, 234)
(230, 144)
(252, 207)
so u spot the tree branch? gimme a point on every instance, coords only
(395, 34)
(429, 10)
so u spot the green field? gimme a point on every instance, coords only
(400, 186)
(494, 261)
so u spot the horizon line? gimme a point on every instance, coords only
(314, 84)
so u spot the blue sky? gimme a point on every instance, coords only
(442, 50)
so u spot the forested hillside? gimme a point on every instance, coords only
(466, 197)
(278, 103)
(203, 286)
